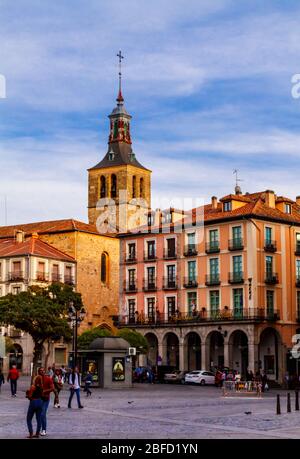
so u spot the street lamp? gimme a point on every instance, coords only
(75, 316)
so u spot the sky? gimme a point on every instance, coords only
(207, 82)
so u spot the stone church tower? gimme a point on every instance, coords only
(119, 186)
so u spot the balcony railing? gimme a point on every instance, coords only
(212, 279)
(130, 286)
(236, 244)
(236, 277)
(169, 254)
(69, 280)
(270, 246)
(271, 278)
(130, 258)
(150, 256)
(15, 276)
(190, 282)
(41, 276)
(298, 282)
(190, 250)
(149, 285)
(56, 277)
(212, 247)
(170, 283)
(202, 316)
(297, 249)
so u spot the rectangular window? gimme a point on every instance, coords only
(16, 290)
(227, 206)
(298, 304)
(171, 273)
(298, 270)
(270, 302)
(191, 271)
(214, 301)
(213, 239)
(131, 251)
(55, 273)
(151, 309)
(41, 271)
(192, 303)
(237, 233)
(151, 249)
(214, 268)
(269, 265)
(68, 274)
(171, 248)
(16, 271)
(151, 276)
(131, 311)
(268, 235)
(237, 263)
(238, 302)
(60, 356)
(171, 305)
(0, 270)
(191, 239)
(298, 242)
(287, 208)
(131, 279)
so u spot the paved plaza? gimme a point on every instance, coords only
(155, 412)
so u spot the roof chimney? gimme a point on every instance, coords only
(270, 199)
(214, 202)
(298, 200)
(20, 236)
(35, 235)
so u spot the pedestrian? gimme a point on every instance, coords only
(13, 376)
(88, 383)
(258, 383)
(50, 372)
(58, 385)
(74, 381)
(2, 379)
(48, 387)
(34, 395)
(264, 381)
(63, 373)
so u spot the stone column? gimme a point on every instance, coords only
(204, 356)
(227, 353)
(162, 352)
(253, 356)
(182, 354)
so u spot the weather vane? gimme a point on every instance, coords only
(119, 55)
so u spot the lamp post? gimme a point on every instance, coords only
(75, 316)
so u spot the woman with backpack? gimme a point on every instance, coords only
(34, 395)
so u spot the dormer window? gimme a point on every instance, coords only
(111, 156)
(287, 208)
(227, 206)
(132, 156)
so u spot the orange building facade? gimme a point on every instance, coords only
(224, 291)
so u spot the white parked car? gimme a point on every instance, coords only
(201, 377)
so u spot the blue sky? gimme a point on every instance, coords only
(208, 83)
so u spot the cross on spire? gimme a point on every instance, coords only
(120, 97)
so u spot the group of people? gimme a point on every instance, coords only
(144, 374)
(257, 381)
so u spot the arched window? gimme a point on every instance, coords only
(102, 187)
(104, 268)
(141, 188)
(134, 186)
(113, 190)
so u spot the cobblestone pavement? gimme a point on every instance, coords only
(155, 411)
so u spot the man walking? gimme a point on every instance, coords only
(48, 387)
(13, 376)
(74, 381)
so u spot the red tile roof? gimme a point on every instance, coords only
(31, 246)
(53, 226)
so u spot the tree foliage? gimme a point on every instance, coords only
(135, 339)
(87, 337)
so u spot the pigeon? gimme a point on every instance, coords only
(248, 412)
(131, 401)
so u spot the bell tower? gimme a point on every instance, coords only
(119, 186)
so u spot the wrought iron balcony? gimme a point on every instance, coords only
(236, 244)
(130, 258)
(271, 278)
(236, 277)
(56, 277)
(212, 279)
(170, 283)
(149, 285)
(69, 280)
(201, 316)
(16, 276)
(190, 250)
(212, 247)
(270, 246)
(130, 286)
(150, 256)
(41, 276)
(170, 254)
(190, 282)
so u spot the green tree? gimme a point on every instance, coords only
(41, 312)
(135, 339)
(87, 337)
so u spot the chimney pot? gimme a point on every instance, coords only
(20, 236)
(270, 199)
(214, 202)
